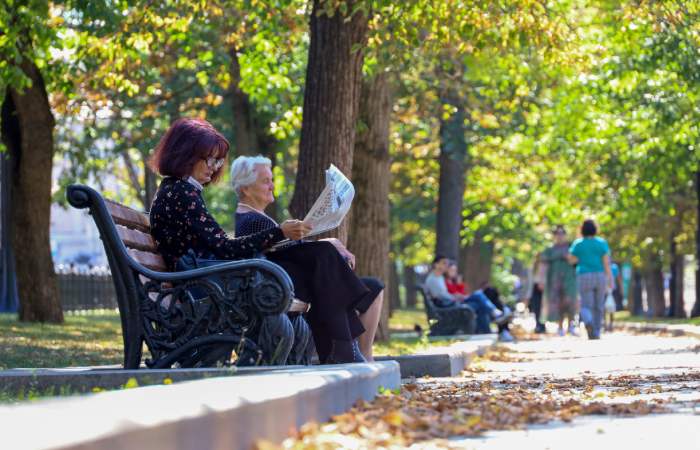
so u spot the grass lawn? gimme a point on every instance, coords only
(95, 339)
(84, 340)
(624, 316)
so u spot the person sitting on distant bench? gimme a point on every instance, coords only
(454, 281)
(437, 289)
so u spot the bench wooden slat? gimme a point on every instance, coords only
(130, 218)
(136, 239)
(151, 260)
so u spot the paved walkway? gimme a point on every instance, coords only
(619, 368)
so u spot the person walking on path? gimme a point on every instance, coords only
(560, 282)
(591, 254)
(535, 301)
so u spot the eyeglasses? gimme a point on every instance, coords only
(214, 163)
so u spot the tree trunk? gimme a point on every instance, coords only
(654, 285)
(251, 136)
(696, 306)
(453, 150)
(150, 181)
(391, 293)
(9, 301)
(245, 139)
(672, 281)
(637, 305)
(678, 281)
(28, 114)
(476, 262)
(395, 282)
(331, 103)
(368, 233)
(676, 307)
(409, 283)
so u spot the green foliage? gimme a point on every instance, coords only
(573, 109)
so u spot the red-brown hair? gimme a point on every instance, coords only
(185, 143)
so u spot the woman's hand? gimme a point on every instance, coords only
(342, 250)
(295, 229)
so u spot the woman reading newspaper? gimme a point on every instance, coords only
(321, 270)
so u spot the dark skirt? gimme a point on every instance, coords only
(322, 277)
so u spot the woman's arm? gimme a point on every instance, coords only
(608, 271)
(206, 229)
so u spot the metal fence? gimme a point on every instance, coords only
(84, 288)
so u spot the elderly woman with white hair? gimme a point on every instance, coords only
(318, 278)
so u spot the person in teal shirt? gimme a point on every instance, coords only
(591, 254)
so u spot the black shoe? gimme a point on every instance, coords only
(540, 328)
(343, 352)
(589, 331)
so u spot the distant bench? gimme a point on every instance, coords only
(449, 320)
(243, 310)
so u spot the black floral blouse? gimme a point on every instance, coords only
(180, 222)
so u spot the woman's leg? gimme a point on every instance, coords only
(322, 277)
(599, 290)
(587, 299)
(370, 320)
(483, 309)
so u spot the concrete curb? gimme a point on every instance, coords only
(76, 380)
(675, 329)
(447, 361)
(217, 413)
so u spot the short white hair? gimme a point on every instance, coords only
(244, 172)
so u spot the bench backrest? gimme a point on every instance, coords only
(131, 253)
(427, 302)
(134, 229)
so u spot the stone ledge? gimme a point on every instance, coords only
(217, 413)
(447, 361)
(75, 380)
(675, 329)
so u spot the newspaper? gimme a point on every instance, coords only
(330, 208)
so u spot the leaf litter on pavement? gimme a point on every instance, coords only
(427, 412)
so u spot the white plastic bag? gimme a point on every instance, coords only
(610, 303)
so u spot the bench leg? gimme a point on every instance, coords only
(303, 342)
(276, 339)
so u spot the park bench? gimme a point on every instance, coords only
(447, 320)
(243, 308)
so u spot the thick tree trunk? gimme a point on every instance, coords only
(654, 286)
(9, 301)
(409, 283)
(31, 152)
(150, 185)
(251, 136)
(476, 262)
(637, 305)
(676, 307)
(391, 293)
(678, 283)
(245, 139)
(331, 103)
(696, 306)
(368, 234)
(453, 150)
(394, 283)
